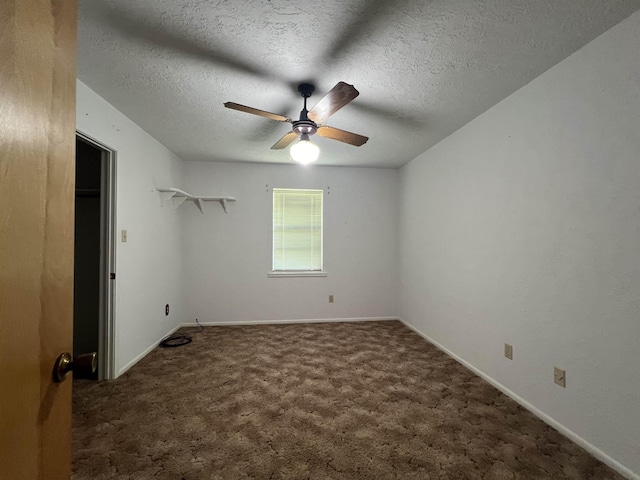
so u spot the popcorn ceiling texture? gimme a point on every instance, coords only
(349, 401)
(423, 69)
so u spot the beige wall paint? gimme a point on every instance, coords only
(228, 256)
(149, 264)
(524, 227)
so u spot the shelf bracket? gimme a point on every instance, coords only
(177, 201)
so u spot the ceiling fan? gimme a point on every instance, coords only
(311, 121)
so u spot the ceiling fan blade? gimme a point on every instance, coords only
(285, 141)
(255, 111)
(342, 136)
(333, 101)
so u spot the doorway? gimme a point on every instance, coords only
(94, 256)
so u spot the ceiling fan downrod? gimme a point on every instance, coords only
(304, 126)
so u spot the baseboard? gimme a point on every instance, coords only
(146, 352)
(593, 450)
(281, 322)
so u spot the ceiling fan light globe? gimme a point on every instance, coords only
(304, 152)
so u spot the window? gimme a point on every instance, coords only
(297, 231)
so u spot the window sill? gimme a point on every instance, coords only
(296, 274)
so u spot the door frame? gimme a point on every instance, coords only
(106, 321)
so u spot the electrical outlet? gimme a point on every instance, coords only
(559, 377)
(508, 351)
(330, 298)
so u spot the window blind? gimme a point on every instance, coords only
(297, 230)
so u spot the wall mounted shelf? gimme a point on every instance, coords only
(178, 196)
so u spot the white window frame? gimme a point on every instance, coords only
(296, 273)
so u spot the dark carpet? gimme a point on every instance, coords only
(312, 401)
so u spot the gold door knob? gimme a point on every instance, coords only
(83, 366)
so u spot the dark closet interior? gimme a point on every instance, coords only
(86, 308)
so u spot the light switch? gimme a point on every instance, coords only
(124, 236)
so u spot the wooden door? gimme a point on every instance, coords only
(37, 143)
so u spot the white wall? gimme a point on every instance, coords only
(227, 257)
(524, 227)
(149, 264)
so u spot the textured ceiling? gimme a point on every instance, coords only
(423, 68)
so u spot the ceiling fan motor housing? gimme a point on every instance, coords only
(305, 126)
